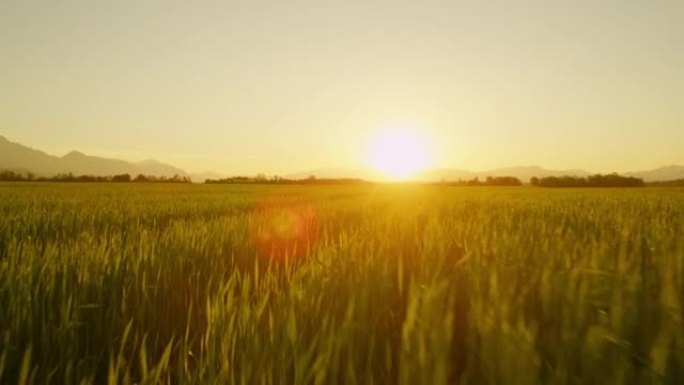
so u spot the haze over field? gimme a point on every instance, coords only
(281, 87)
(19, 158)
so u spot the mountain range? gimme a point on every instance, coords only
(17, 157)
(524, 173)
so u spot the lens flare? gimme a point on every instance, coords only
(279, 228)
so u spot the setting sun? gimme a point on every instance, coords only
(399, 152)
(334, 192)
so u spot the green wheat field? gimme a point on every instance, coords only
(386, 284)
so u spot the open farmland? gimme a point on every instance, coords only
(402, 284)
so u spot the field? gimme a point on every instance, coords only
(124, 284)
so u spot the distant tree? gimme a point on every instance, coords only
(503, 181)
(668, 183)
(473, 182)
(11, 176)
(611, 180)
(85, 178)
(123, 178)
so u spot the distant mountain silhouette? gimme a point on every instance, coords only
(524, 173)
(200, 177)
(335, 173)
(17, 157)
(664, 173)
(447, 174)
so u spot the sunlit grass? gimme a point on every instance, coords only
(340, 284)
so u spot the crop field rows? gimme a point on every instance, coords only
(387, 284)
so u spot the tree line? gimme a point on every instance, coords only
(263, 179)
(610, 180)
(13, 176)
(488, 181)
(668, 183)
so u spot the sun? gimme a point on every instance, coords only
(398, 152)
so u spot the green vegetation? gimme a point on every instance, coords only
(13, 176)
(355, 284)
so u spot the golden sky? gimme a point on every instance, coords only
(282, 86)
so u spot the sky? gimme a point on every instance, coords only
(284, 86)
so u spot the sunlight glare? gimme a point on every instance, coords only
(399, 152)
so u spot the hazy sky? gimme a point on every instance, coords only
(280, 86)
